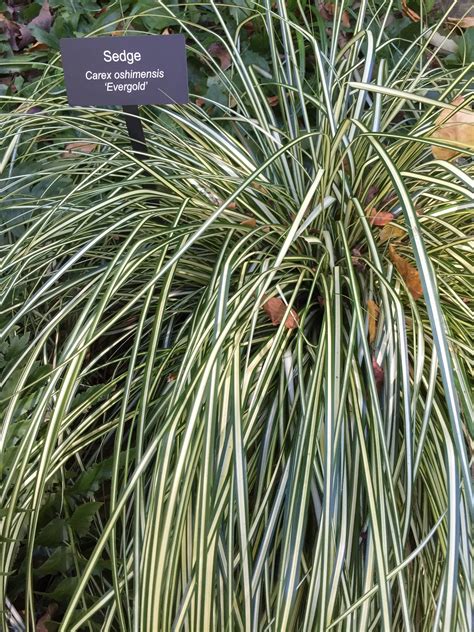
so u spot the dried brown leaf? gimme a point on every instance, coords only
(79, 146)
(249, 27)
(39, 46)
(342, 40)
(463, 23)
(345, 20)
(275, 308)
(251, 222)
(378, 373)
(327, 11)
(10, 29)
(372, 193)
(408, 272)
(413, 15)
(392, 232)
(373, 311)
(379, 218)
(43, 20)
(324, 10)
(356, 258)
(455, 128)
(45, 618)
(220, 51)
(260, 187)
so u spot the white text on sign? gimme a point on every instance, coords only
(124, 55)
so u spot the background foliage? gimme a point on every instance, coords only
(30, 30)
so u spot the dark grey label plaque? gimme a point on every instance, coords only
(148, 69)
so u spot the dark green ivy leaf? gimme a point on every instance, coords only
(61, 561)
(91, 480)
(63, 590)
(45, 37)
(52, 534)
(81, 519)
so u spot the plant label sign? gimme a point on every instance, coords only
(135, 70)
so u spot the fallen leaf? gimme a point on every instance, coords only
(10, 29)
(249, 27)
(456, 128)
(373, 311)
(6, 81)
(441, 42)
(409, 12)
(47, 616)
(251, 222)
(372, 193)
(387, 200)
(327, 11)
(391, 231)
(35, 109)
(324, 10)
(378, 373)
(220, 51)
(275, 308)
(342, 40)
(356, 257)
(379, 218)
(260, 187)
(408, 272)
(43, 20)
(346, 165)
(78, 146)
(463, 23)
(39, 46)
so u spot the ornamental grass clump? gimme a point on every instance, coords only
(235, 373)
